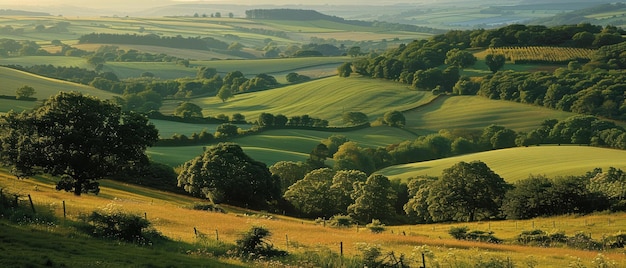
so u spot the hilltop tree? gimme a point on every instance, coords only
(80, 138)
(224, 173)
(466, 192)
(495, 62)
(394, 119)
(24, 92)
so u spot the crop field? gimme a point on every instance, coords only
(53, 60)
(170, 215)
(271, 66)
(475, 112)
(272, 146)
(519, 55)
(326, 99)
(44, 87)
(515, 164)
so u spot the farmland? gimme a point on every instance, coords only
(374, 88)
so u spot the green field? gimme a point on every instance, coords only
(517, 163)
(463, 112)
(44, 87)
(326, 99)
(272, 146)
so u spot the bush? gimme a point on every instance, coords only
(208, 207)
(463, 233)
(583, 241)
(253, 244)
(341, 221)
(112, 224)
(375, 226)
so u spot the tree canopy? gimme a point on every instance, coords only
(80, 138)
(224, 173)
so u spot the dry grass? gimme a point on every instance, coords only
(169, 215)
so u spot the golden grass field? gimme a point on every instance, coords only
(168, 213)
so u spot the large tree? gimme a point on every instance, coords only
(225, 173)
(188, 110)
(80, 138)
(312, 195)
(373, 199)
(466, 192)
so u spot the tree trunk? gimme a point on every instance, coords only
(78, 187)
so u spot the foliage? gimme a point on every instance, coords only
(394, 119)
(341, 221)
(224, 173)
(187, 110)
(463, 233)
(460, 58)
(354, 118)
(113, 224)
(254, 244)
(495, 61)
(24, 92)
(466, 192)
(375, 226)
(373, 199)
(80, 138)
(289, 173)
(344, 70)
(350, 156)
(312, 195)
(296, 78)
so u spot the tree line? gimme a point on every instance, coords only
(200, 43)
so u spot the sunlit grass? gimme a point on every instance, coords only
(518, 163)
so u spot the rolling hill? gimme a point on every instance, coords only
(517, 163)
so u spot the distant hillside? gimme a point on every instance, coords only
(308, 15)
(11, 12)
(587, 16)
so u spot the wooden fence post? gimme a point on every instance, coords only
(64, 212)
(341, 249)
(32, 206)
(217, 235)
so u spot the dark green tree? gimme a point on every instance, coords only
(466, 192)
(354, 118)
(495, 62)
(224, 173)
(373, 199)
(343, 187)
(24, 92)
(344, 70)
(528, 199)
(188, 110)
(226, 130)
(225, 93)
(80, 138)
(289, 173)
(394, 119)
(312, 195)
(460, 58)
(350, 156)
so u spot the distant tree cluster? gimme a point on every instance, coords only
(595, 93)
(279, 120)
(204, 43)
(10, 47)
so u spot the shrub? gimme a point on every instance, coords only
(375, 226)
(253, 244)
(208, 207)
(617, 240)
(341, 221)
(112, 224)
(463, 233)
(583, 241)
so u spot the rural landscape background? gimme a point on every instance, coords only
(290, 134)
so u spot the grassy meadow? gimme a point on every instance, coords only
(170, 215)
(515, 164)
(327, 99)
(475, 112)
